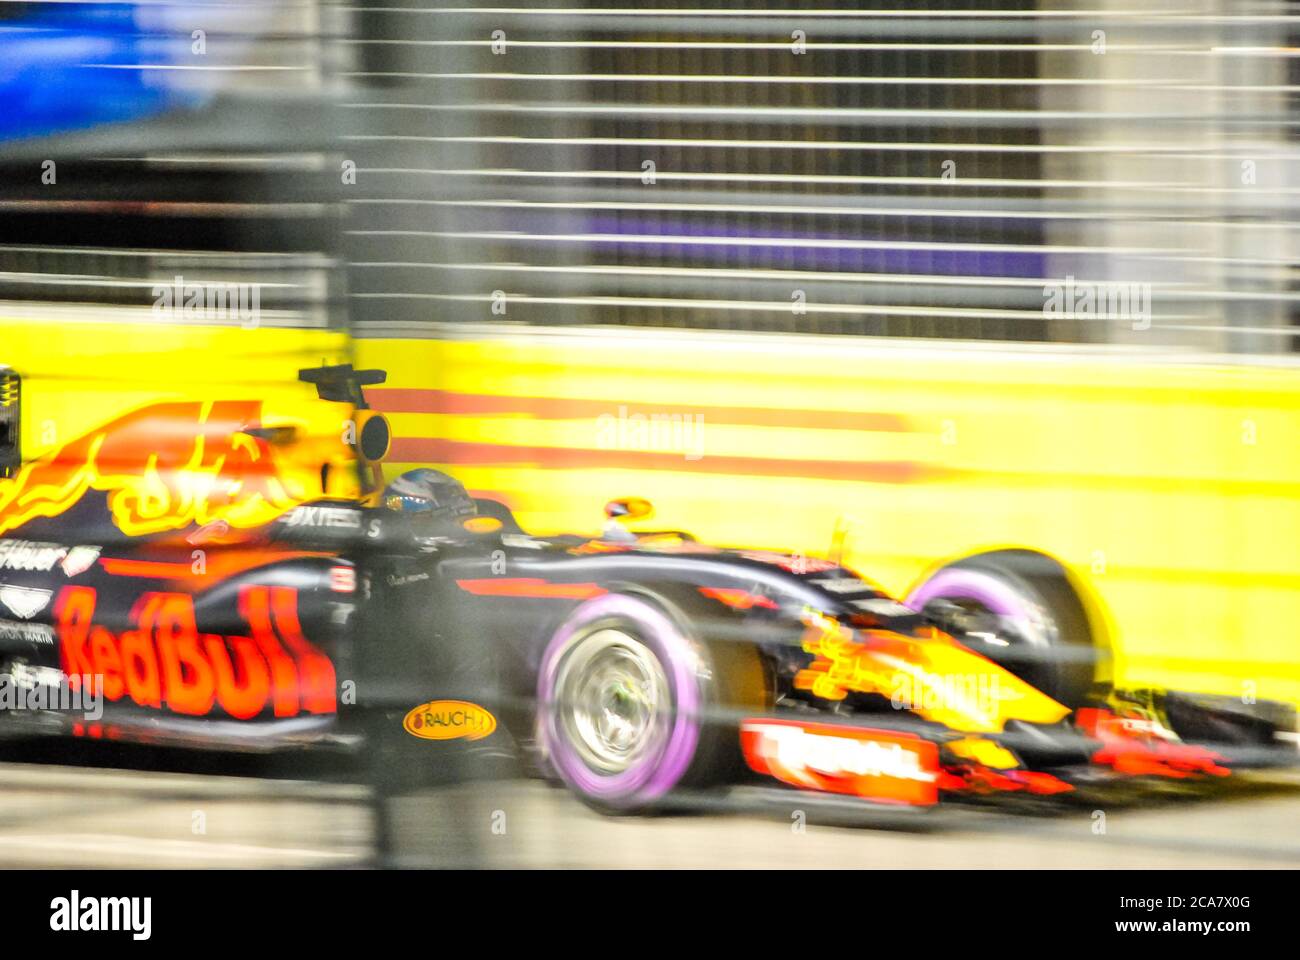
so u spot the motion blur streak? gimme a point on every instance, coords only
(1132, 468)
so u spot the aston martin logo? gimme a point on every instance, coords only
(25, 602)
(79, 560)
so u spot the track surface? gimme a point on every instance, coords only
(60, 815)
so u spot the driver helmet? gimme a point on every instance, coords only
(430, 496)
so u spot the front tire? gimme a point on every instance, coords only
(629, 698)
(1019, 609)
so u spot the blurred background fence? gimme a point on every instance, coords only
(802, 167)
(909, 172)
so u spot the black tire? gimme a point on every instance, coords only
(1052, 642)
(688, 693)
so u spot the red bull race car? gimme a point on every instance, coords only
(214, 574)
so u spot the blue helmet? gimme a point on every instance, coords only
(429, 494)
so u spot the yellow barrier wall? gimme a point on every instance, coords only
(78, 375)
(1169, 487)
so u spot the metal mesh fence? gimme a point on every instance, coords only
(211, 177)
(827, 168)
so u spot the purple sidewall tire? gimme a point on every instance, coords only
(656, 774)
(1034, 596)
(992, 593)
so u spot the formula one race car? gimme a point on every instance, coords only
(211, 574)
(647, 663)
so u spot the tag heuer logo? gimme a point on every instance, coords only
(79, 560)
(25, 602)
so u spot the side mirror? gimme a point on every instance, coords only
(372, 436)
(629, 509)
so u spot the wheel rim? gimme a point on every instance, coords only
(658, 770)
(613, 700)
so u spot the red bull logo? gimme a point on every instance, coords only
(163, 468)
(165, 662)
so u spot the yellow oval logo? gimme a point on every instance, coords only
(449, 720)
